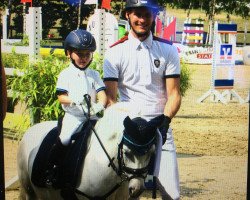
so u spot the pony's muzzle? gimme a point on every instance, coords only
(136, 187)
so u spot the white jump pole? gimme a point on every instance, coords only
(223, 56)
(104, 27)
(212, 91)
(34, 22)
(5, 32)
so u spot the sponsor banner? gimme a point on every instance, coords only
(195, 55)
(204, 55)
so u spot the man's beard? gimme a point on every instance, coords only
(141, 34)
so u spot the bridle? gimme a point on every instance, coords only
(123, 169)
(125, 173)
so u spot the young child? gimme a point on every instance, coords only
(73, 83)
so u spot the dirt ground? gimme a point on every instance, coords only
(211, 140)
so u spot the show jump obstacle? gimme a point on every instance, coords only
(33, 30)
(193, 32)
(224, 60)
(104, 27)
(165, 27)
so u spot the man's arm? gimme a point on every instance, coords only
(111, 91)
(174, 97)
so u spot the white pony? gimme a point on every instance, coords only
(120, 177)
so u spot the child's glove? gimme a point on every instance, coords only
(73, 103)
(80, 105)
(96, 108)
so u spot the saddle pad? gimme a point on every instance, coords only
(75, 157)
(69, 171)
(41, 159)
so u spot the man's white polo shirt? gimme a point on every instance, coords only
(141, 69)
(76, 83)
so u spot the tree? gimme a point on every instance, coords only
(213, 7)
(242, 9)
(53, 13)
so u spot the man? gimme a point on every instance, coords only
(146, 71)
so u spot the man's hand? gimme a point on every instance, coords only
(166, 122)
(164, 128)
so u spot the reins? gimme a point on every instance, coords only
(87, 115)
(111, 160)
(121, 170)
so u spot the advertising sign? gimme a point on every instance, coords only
(225, 57)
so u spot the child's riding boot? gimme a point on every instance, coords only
(56, 157)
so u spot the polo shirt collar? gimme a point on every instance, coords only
(136, 42)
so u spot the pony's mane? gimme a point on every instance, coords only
(112, 121)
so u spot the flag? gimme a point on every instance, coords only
(76, 2)
(170, 31)
(27, 1)
(72, 2)
(158, 25)
(106, 4)
(88, 2)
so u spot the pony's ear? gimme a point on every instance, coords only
(129, 124)
(157, 121)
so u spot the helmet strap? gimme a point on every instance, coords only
(82, 69)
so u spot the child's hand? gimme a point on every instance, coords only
(96, 108)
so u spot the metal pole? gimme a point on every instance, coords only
(79, 14)
(24, 20)
(9, 30)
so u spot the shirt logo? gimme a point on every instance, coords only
(157, 63)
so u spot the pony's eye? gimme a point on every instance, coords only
(128, 155)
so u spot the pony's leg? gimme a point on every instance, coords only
(26, 191)
(164, 194)
(121, 193)
(22, 194)
(26, 194)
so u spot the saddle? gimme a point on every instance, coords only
(69, 171)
